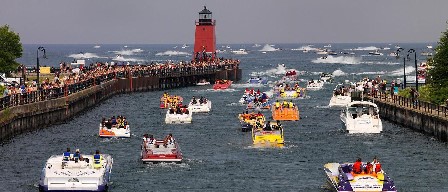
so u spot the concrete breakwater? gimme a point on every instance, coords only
(422, 117)
(31, 116)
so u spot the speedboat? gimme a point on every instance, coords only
(340, 97)
(167, 101)
(315, 85)
(257, 80)
(250, 120)
(362, 117)
(222, 84)
(426, 54)
(376, 52)
(341, 178)
(66, 173)
(285, 113)
(203, 82)
(161, 151)
(271, 134)
(326, 77)
(240, 52)
(200, 106)
(109, 130)
(183, 115)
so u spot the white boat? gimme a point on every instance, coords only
(185, 46)
(315, 85)
(200, 107)
(114, 131)
(429, 46)
(240, 52)
(393, 54)
(326, 46)
(376, 52)
(426, 54)
(96, 46)
(341, 178)
(362, 117)
(81, 175)
(341, 97)
(322, 52)
(203, 82)
(177, 118)
(326, 77)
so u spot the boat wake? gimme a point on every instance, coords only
(338, 73)
(399, 72)
(268, 47)
(172, 53)
(369, 48)
(339, 60)
(128, 51)
(246, 85)
(85, 56)
(222, 90)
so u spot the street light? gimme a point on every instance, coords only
(404, 67)
(38, 66)
(416, 69)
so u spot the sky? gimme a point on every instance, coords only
(237, 21)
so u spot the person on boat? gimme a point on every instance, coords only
(151, 140)
(277, 104)
(113, 120)
(258, 91)
(103, 122)
(267, 127)
(376, 164)
(66, 155)
(77, 156)
(369, 168)
(194, 101)
(279, 125)
(201, 100)
(97, 160)
(357, 166)
(165, 95)
(178, 111)
(291, 104)
(169, 140)
(285, 104)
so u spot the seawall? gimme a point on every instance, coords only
(33, 116)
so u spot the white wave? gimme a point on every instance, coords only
(380, 63)
(370, 73)
(222, 90)
(280, 70)
(128, 51)
(85, 56)
(246, 85)
(339, 59)
(306, 47)
(339, 72)
(268, 47)
(121, 58)
(171, 53)
(399, 72)
(369, 48)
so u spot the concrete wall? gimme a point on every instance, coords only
(416, 120)
(25, 118)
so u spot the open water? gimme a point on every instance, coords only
(218, 156)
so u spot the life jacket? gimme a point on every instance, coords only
(66, 156)
(97, 159)
(291, 105)
(357, 167)
(377, 167)
(369, 168)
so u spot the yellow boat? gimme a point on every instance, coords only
(268, 136)
(249, 120)
(286, 114)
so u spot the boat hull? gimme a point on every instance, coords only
(339, 101)
(160, 153)
(286, 114)
(114, 132)
(218, 86)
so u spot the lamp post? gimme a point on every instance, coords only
(38, 66)
(404, 67)
(415, 64)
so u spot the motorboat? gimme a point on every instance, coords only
(270, 134)
(361, 117)
(426, 54)
(70, 173)
(178, 116)
(341, 97)
(200, 105)
(96, 47)
(284, 91)
(259, 105)
(393, 54)
(161, 151)
(240, 52)
(170, 101)
(109, 130)
(185, 46)
(250, 120)
(222, 84)
(257, 80)
(285, 113)
(326, 77)
(203, 82)
(314, 85)
(341, 178)
(327, 46)
(376, 52)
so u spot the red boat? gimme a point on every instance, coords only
(222, 84)
(161, 152)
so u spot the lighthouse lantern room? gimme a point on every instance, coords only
(205, 39)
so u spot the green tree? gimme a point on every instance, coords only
(438, 75)
(10, 49)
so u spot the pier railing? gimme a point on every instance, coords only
(58, 92)
(410, 103)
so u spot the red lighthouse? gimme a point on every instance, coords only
(204, 37)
